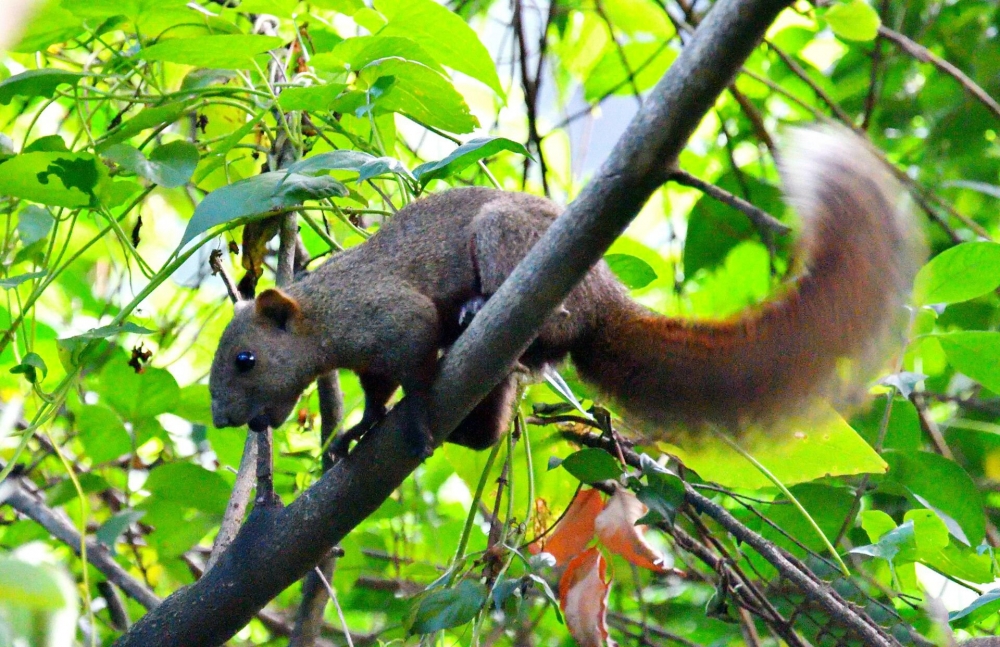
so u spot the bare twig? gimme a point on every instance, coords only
(921, 53)
(239, 499)
(97, 554)
(765, 223)
(218, 269)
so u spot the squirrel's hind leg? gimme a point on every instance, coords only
(485, 424)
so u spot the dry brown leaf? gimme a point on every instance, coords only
(575, 530)
(583, 597)
(615, 527)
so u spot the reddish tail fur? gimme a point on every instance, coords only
(859, 253)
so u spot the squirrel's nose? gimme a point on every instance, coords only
(219, 417)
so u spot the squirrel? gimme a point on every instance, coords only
(386, 309)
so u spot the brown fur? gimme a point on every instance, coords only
(386, 308)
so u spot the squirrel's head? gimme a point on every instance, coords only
(265, 360)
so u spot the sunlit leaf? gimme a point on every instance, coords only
(975, 353)
(147, 118)
(258, 195)
(36, 83)
(169, 165)
(634, 272)
(448, 38)
(57, 179)
(420, 93)
(853, 20)
(110, 331)
(944, 485)
(315, 98)
(801, 450)
(468, 153)
(959, 273)
(232, 51)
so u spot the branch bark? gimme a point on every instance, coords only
(273, 551)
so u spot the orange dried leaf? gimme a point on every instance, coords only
(574, 531)
(583, 597)
(616, 529)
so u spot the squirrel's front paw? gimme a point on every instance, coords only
(341, 445)
(469, 311)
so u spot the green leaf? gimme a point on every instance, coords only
(801, 450)
(47, 144)
(944, 485)
(147, 118)
(988, 602)
(332, 161)
(663, 494)
(29, 586)
(853, 20)
(444, 34)
(383, 166)
(591, 465)
(109, 331)
(634, 272)
(355, 53)
(51, 24)
(468, 153)
(36, 83)
(890, 544)
(33, 224)
(137, 396)
(14, 281)
(102, 434)
(963, 272)
(258, 195)
(185, 485)
(112, 529)
(65, 490)
(57, 179)
(230, 51)
(170, 165)
(449, 608)
(976, 354)
(30, 365)
(316, 98)
(418, 92)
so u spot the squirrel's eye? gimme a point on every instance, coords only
(245, 361)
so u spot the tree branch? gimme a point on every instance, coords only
(273, 551)
(97, 555)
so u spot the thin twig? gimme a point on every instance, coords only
(762, 220)
(59, 527)
(921, 53)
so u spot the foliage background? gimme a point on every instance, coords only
(140, 109)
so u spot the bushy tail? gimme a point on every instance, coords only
(859, 251)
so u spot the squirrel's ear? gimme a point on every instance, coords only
(277, 307)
